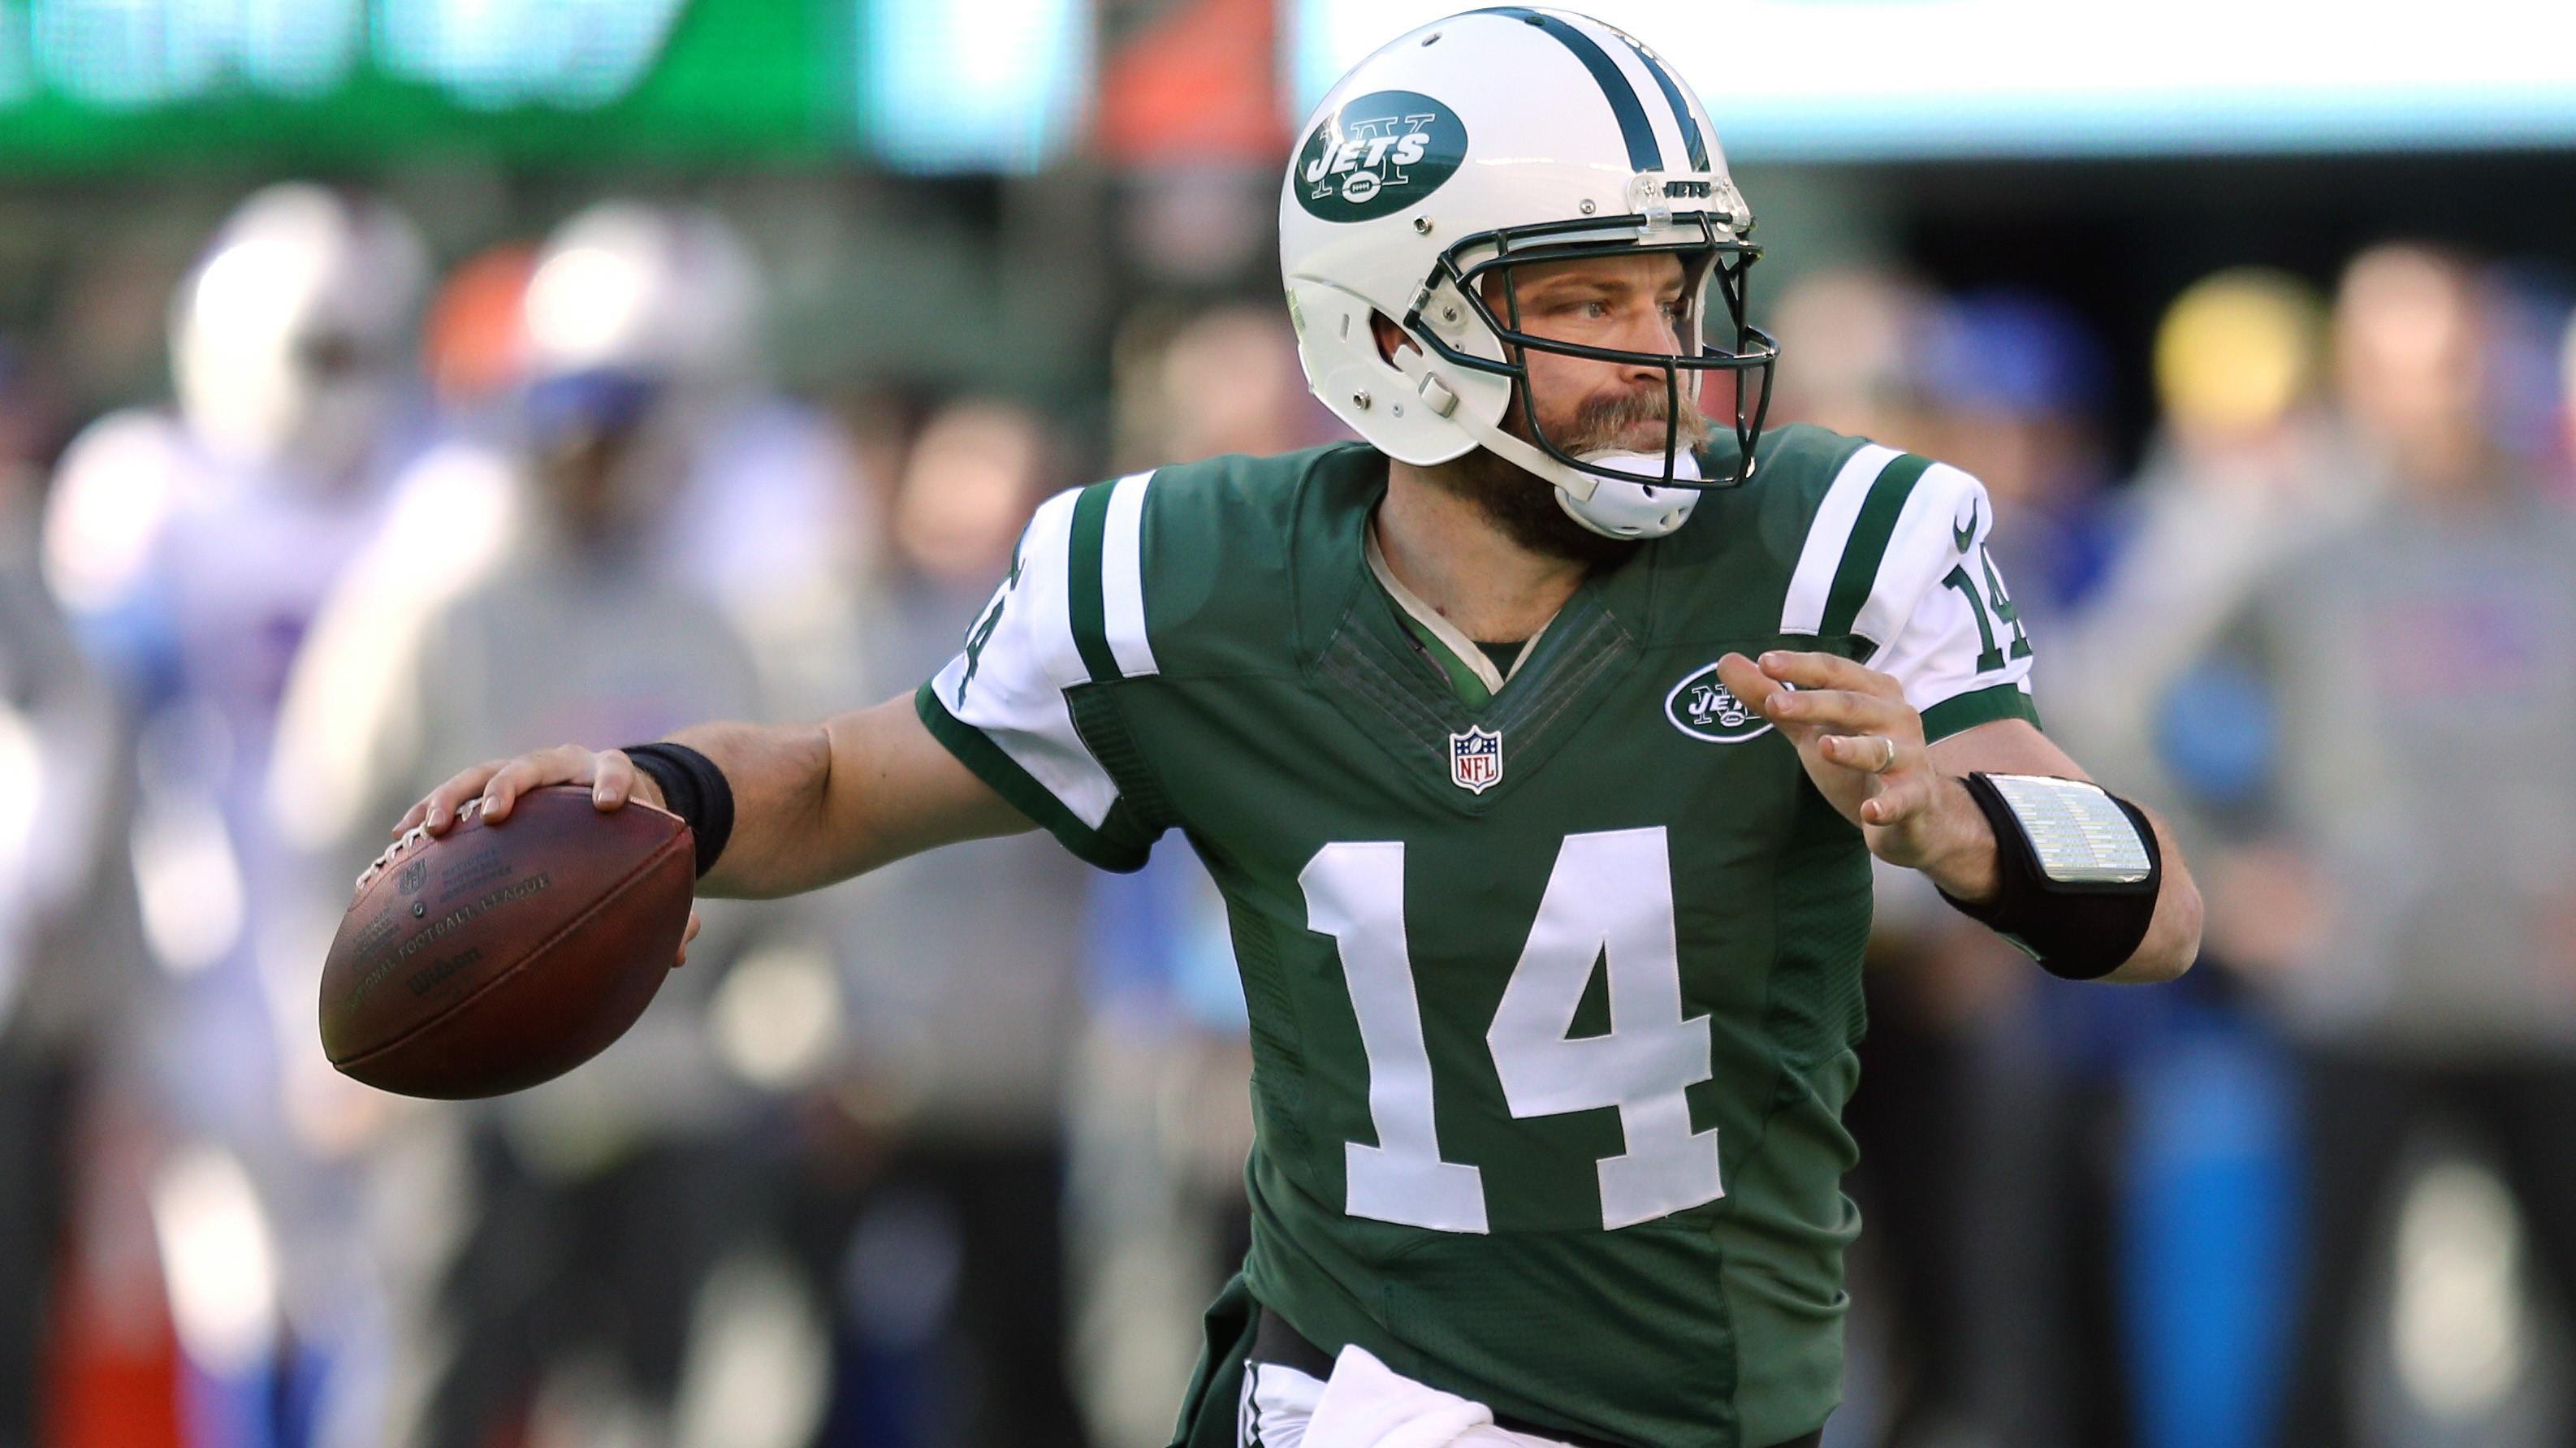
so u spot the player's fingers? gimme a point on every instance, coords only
(438, 808)
(1868, 753)
(612, 778)
(685, 937)
(1747, 683)
(1840, 710)
(504, 787)
(1812, 670)
(1897, 801)
(563, 764)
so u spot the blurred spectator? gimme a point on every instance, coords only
(1858, 334)
(663, 308)
(2523, 403)
(2405, 889)
(584, 1220)
(650, 317)
(1221, 380)
(635, 331)
(2243, 469)
(2017, 383)
(944, 1242)
(190, 551)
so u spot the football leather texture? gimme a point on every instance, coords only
(496, 956)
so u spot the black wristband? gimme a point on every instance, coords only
(2080, 931)
(694, 789)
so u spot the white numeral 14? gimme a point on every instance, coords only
(1609, 901)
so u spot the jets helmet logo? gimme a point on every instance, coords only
(1476, 760)
(1703, 708)
(1376, 155)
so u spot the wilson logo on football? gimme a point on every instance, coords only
(1702, 708)
(1378, 154)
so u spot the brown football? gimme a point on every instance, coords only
(496, 956)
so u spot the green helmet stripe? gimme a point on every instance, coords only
(1691, 133)
(1644, 154)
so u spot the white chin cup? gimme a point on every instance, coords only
(1634, 510)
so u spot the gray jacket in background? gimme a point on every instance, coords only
(2422, 669)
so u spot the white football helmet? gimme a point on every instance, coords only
(292, 336)
(664, 293)
(1493, 138)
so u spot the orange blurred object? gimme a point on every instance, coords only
(1198, 85)
(473, 342)
(111, 1370)
(107, 1389)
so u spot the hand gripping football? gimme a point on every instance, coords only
(496, 956)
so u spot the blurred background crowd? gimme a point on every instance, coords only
(385, 387)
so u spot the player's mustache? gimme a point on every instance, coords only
(1598, 421)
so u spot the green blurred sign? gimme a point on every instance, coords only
(90, 84)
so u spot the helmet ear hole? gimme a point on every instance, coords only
(1390, 337)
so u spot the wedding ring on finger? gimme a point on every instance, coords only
(1889, 762)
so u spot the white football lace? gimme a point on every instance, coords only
(417, 834)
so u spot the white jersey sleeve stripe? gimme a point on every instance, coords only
(1020, 657)
(1813, 582)
(1925, 545)
(1953, 639)
(1046, 563)
(1122, 576)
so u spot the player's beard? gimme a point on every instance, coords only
(1524, 505)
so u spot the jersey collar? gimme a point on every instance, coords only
(1462, 650)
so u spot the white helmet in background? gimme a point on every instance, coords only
(642, 322)
(665, 295)
(1498, 137)
(291, 337)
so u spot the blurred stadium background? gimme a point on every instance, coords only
(385, 384)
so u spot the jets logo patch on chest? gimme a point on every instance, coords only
(1704, 708)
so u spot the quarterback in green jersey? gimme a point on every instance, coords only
(1539, 743)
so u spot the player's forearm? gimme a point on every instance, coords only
(779, 777)
(819, 803)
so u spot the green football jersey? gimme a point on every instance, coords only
(1553, 999)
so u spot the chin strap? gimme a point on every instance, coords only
(1613, 508)
(1640, 509)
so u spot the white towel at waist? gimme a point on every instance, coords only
(1365, 1404)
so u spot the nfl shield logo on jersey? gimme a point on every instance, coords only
(1476, 760)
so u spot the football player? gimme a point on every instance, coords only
(1540, 745)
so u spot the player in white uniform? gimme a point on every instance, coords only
(190, 548)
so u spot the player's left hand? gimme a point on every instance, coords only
(1862, 744)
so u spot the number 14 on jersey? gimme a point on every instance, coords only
(1609, 900)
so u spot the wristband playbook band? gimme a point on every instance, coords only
(2077, 870)
(694, 789)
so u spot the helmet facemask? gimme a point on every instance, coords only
(1712, 260)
